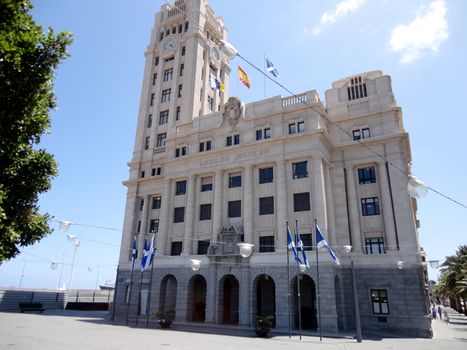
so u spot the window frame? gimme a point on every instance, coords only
(299, 203)
(179, 215)
(161, 139)
(366, 175)
(154, 225)
(176, 248)
(166, 95)
(235, 180)
(381, 298)
(370, 206)
(234, 209)
(374, 245)
(267, 244)
(295, 168)
(156, 202)
(180, 187)
(264, 177)
(205, 212)
(168, 74)
(164, 117)
(266, 205)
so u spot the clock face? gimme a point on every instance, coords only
(215, 54)
(170, 44)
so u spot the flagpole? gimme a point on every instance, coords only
(317, 284)
(288, 280)
(115, 295)
(298, 287)
(150, 285)
(264, 75)
(130, 287)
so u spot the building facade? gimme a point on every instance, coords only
(209, 172)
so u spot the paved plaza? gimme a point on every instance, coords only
(58, 330)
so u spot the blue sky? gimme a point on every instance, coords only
(419, 43)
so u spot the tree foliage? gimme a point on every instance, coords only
(28, 58)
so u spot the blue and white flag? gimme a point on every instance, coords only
(321, 242)
(302, 249)
(144, 259)
(291, 245)
(152, 250)
(134, 252)
(271, 69)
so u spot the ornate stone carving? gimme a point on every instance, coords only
(233, 111)
(226, 245)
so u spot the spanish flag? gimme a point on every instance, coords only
(243, 77)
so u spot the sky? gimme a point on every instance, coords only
(419, 43)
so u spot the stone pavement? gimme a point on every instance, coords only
(73, 330)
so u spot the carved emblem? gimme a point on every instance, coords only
(233, 110)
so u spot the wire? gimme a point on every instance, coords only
(93, 226)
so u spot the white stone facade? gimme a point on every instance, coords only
(246, 175)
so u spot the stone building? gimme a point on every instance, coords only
(209, 172)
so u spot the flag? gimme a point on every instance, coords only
(134, 252)
(271, 69)
(219, 86)
(243, 77)
(302, 249)
(291, 246)
(321, 242)
(145, 255)
(152, 250)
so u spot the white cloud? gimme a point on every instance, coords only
(426, 32)
(344, 8)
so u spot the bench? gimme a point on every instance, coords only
(31, 307)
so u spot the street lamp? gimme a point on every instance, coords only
(76, 243)
(195, 264)
(246, 249)
(358, 326)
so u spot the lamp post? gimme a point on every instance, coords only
(22, 274)
(76, 243)
(358, 326)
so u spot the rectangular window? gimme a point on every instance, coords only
(356, 89)
(182, 67)
(149, 120)
(266, 244)
(292, 129)
(153, 171)
(163, 117)
(151, 102)
(266, 205)
(179, 152)
(138, 229)
(370, 206)
(228, 141)
(146, 142)
(266, 175)
(300, 127)
(267, 133)
(179, 214)
(186, 26)
(366, 175)
(205, 212)
(356, 135)
(235, 209)
(177, 116)
(161, 139)
(236, 139)
(210, 103)
(300, 170)
(365, 133)
(156, 202)
(206, 184)
(201, 146)
(165, 95)
(180, 90)
(203, 247)
(143, 173)
(154, 226)
(259, 134)
(379, 301)
(183, 50)
(374, 245)
(235, 180)
(307, 241)
(174, 30)
(156, 60)
(180, 28)
(208, 145)
(158, 170)
(361, 133)
(141, 204)
(176, 248)
(301, 201)
(154, 78)
(168, 73)
(180, 188)
(295, 128)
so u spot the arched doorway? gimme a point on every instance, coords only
(228, 303)
(307, 302)
(196, 299)
(168, 293)
(266, 297)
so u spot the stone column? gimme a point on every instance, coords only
(319, 211)
(217, 212)
(389, 229)
(354, 210)
(144, 225)
(281, 200)
(164, 219)
(248, 204)
(190, 210)
(332, 238)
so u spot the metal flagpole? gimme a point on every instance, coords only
(317, 284)
(288, 279)
(138, 308)
(264, 76)
(150, 284)
(115, 295)
(130, 287)
(298, 287)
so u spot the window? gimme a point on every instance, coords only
(208, 145)
(210, 103)
(186, 27)
(180, 90)
(206, 184)
(180, 152)
(141, 204)
(205, 212)
(300, 170)
(179, 214)
(233, 140)
(156, 60)
(266, 244)
(301, 201)
(161, 36)
(295, 128)
(180, 188)
(182, 67)
(149, 120)
(263, 134)
(156, 171)
(201, 146)
(236, 139)
(366, 175)
(151, 102)
(167, 32)
(203, 247)
(183, 50)
(177, 116)
(163, 117)
(361, 133)
(138, 229)
(235, 180)
(156, 202)
(235, 209)
(168, 73)
(374, 245)
(146, 142)
(379, 300)
(176, 248)
(154, 78)
(143, 173)
(205, 146)
(165, 95)
(161, 139)
(307, 241)
(174, 30)
(180, 28)
(266, 205)
(370, 206)
(169, 59)
(356, 89)
(228, 141)
(266, 175)
(154, 226)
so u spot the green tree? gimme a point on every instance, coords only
(28, 58)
